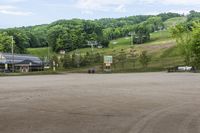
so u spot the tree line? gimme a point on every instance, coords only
(120, 58)
(72, 34)
(187, 36)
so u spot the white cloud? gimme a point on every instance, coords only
(120, 6)
(6, 7)
(13, 1)
(180, 11)
(181, 2)
(90, 6)
(87, 12)
(17, 0)
(121, 9)
(12, 10)
(16, 13)
(56, 5)
(174, 2)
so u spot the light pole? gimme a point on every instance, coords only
(13, 60)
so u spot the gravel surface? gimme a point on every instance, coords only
(101, 103)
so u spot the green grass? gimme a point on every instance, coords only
(174, 21)
(171, 52)
(157, 38)
(162, 49)
(40, 52)
(160, 36)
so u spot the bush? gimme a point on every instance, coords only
(144, 59)
(105, 43)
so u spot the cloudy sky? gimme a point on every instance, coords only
(31, 12)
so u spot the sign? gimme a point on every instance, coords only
(6, 66)
(54, 66)
(108, 64)
(108, 59)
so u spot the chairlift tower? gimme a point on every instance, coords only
(92, 44)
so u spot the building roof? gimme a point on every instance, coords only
(7, 58)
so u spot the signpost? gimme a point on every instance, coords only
(108, 60)
(54, 66)
(6, 66)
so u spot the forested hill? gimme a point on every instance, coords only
(72, 34)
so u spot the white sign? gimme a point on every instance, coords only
(108, 65)
(6, 66)
(108, 59)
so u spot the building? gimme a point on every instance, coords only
(22, 63)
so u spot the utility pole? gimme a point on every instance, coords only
(77, 58)
(132, 39)
(13, 60)
(92, 45)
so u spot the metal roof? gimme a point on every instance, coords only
(6, 58)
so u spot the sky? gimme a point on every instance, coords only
(17, 13)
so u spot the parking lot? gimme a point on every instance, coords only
(101, 103)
